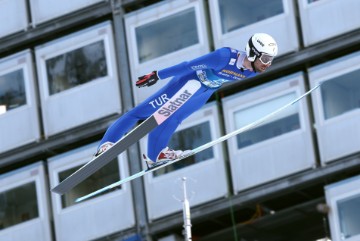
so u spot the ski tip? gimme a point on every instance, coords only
(79, 199)
(57, 191)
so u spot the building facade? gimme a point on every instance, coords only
(68, 70)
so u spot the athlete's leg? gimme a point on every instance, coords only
(160, 136)
(141, 112)
(117, 129)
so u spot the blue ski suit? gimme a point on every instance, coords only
(212, 70)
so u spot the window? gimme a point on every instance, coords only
(188, 139)
(312, 1)
(341, 94)
(74, 73)
(18, 205)
(166, 35)
(77, 67)
(283, 123)
(12, 90)
(239, 13)
(349, 216)
(103, 177)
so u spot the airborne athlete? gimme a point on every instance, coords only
(211, 70)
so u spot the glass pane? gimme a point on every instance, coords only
(188, 139)
(236, 14)
(18, 205)
(311, 1)
(166, 35)
(77, 67)
(12, 90)
(341, 94)
(349, 216)
(282, 123)
(103, 177)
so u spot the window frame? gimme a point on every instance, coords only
(81, 158)
(252, 25)
(357, 197)
(202, 172)
(66, 44)
(116, 204)
(185, 125)
(319, 74)
(33, 173)
(82, 98)
(305, 3)
(26, 115)
(346, 141)
(336, 192)
(239, 37)
(238, 107)
(273, 153)
(19, 184)
(10, 67)
(153, 13)
(161, 14)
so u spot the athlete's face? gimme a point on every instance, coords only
(260, 67)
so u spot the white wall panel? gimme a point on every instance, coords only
(94, 218)
(44, 10)
(34, 229)
(339, 133)
(343, 198)
(19, 125)
(206, 179)
(76, 105)
(324, 19)
(281, 26)
(13, 16)
(169, 12)
(277, 148)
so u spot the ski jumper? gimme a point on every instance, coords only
(212, 70)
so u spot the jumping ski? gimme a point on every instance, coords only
(198, 149)
(159, 116)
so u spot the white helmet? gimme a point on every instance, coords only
(262, 46)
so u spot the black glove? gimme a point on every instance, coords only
(147, 80)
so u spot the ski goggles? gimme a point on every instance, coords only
(266, 59)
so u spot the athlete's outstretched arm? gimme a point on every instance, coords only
(214, 60)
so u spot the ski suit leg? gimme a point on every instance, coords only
(145, 109)
(121, 126)
(160, 136)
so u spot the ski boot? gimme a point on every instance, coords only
(103, 148)
(165, 156)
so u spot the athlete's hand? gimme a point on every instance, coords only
(147, 80)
